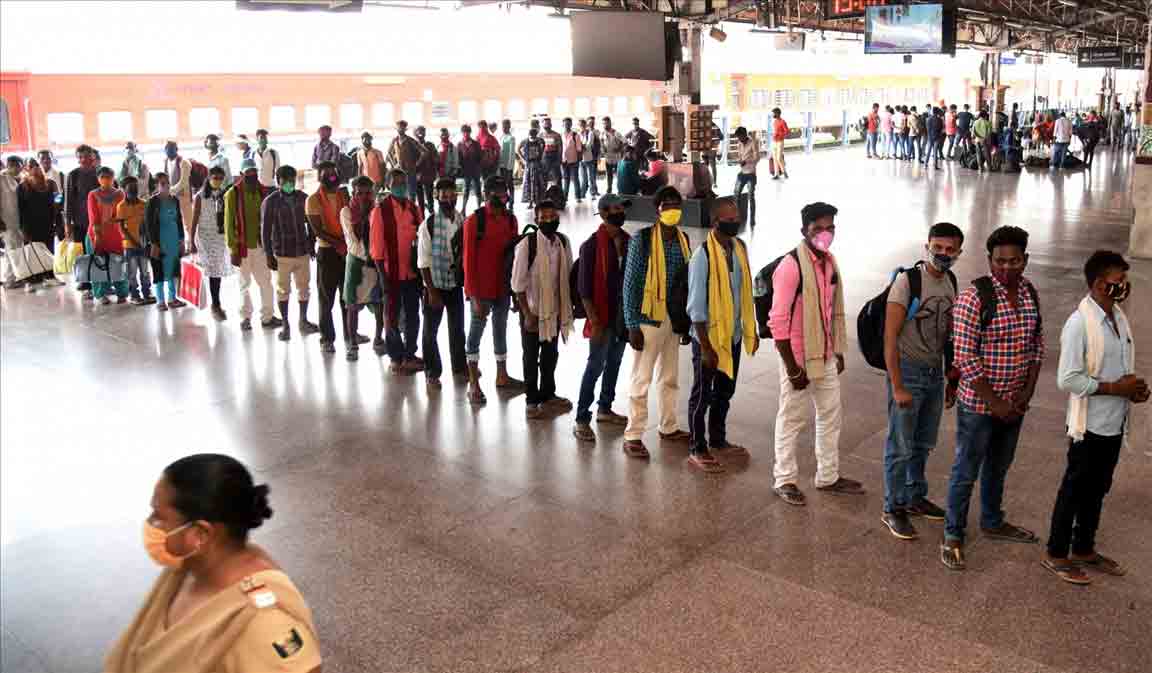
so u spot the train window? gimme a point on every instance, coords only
(539, 106)
(441, 111)
(161, 123)
(808, 97)
(413, 112)
(603, 105)
(561, 107)
(204, 120)
(620, 105)
(517, 110)
(493, 111)
(383, 115)
(245, 119)
(5, 123)
(317, 115)
(783, 98)
(116, 125)
(65, 127)
(582, 107)
(352, 116)
(282, 118)
(639, 106)
(469, 111)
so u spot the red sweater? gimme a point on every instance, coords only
(484, 258)
(103, 228)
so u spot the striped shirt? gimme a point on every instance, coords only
(1003, 353)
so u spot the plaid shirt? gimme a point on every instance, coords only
(636, 274)
(1003, 353)
(285, 228)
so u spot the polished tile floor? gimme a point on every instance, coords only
(429, 536)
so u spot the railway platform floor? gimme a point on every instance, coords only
(430, 536)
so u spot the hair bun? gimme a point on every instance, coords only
(260, 511)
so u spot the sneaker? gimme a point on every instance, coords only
(352, 354)
(952, 554)
(246, 325)
(899, 525)
(272, 323)
(1011, 533)
(926, 509)
(327, 347)
(790, 494)
(307, 328)
(284, 334)
(843, 486)
(583, 432)
(610, 417)
(558, 405)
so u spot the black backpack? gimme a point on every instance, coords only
(762, 292)
(870, 322)
(986, 291)
(578, 312)
(677, 301)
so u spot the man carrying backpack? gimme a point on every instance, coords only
(657, 259)
(917, 331)
(999, 345)
(807, 322)
(487, 233)
(540, 270)
(600, 286)
(723, 324)
(439, 258)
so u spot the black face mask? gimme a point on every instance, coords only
(548, 227)
(616, 219)
(496, 201)
(1118, 292)
(447, 205)
(252, 179)
(728, 227)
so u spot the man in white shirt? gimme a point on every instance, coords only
(1061, 137)
(267, 160)
(748, 154)
(48, 164)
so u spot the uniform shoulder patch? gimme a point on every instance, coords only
(289, 645)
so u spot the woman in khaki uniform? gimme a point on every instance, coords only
(221, 605)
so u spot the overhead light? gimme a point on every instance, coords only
(717, 34)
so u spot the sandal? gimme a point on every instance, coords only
(790, 494)
(731, 451)
(952, 555)
(1066, 570)
(636, 449)
(705, 462)
(1101, 563)
(676, 436)
(476, 397)
(1011, 533)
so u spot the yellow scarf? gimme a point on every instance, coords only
(721, 312)
(655, 304)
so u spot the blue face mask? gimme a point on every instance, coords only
(400, 192)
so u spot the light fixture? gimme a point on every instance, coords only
(717, 34)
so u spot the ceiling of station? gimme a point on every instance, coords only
(1007, 25)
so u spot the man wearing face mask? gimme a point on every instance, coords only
(572, 148)
(325, 150)
(81, 180)
(134, 166)
(369, 160)
(915, 346)
(439, 258)
(721, 309)
(426, 171)
(404, 153)
(242, 233)
(613, 145)
(361, 279)
(656, 256)
(323, 209)
(531, 153)
(540, 280)
(267, 160)
(999, 343)
(448, 161)
(395, 224)
(469, 153)
(807, 322)
(553, 144)
(179, 172)
(600, 283)
(290, 244)
(1097, 370)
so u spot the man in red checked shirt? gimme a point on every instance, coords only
(999, 346)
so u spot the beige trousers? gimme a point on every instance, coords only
(255, 267)
(293, 270)
(795, 405)
(660, 357)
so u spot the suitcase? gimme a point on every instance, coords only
(99, 268)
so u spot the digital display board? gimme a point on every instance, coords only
(905, 29)
(846, 9)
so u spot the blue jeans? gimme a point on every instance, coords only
(1059, 151)
(588, 178)
(870, 144)
(911, 435)
(572, 174)
(603, 358)
(139, 280)
(472, 185)
(890, 146)
(498, 308)
(982, 443)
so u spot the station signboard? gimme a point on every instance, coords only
(847, 9)
(1104, 56)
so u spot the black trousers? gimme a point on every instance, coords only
(1087, 479)
(330, 283)
(539, 366)
(710, 399)
(454, 305)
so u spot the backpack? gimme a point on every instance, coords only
(677, 301)
(762, 291)
(870, 322)
(197, 175)
(529, 232)
(578, 312)
(347, 167)
(986, 291)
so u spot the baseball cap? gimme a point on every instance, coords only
(609, 200)
(247, 164)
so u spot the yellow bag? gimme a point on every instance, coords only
(65, 258)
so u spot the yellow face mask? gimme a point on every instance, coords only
(671, 217)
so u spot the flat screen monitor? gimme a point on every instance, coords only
(909, 29)
(623, 45)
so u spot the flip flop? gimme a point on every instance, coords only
(1102, 564)
(677, 436)
(1066, 570)
(706, 463)
(477, 398)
